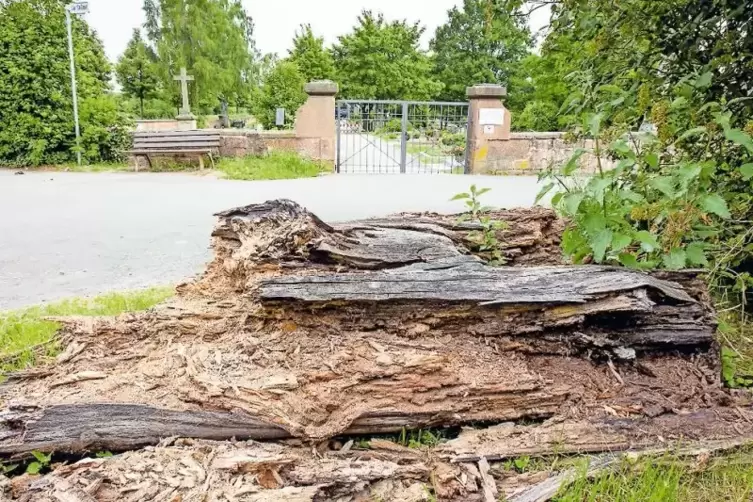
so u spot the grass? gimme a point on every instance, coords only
(669, 479)
(25, 336)
(85, 168)
(736, 338)
(275, 166)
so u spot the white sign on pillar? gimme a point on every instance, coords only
(280, 117)
(491, 116)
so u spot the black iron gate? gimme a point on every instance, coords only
(401, 137)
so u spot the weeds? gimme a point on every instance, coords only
(275, 166)
(484, 239)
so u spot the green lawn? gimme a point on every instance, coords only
(669, 479)
(75, 168)
(25, 337)
(275, 166)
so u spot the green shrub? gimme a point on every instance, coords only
(538, 116)
(106, 131)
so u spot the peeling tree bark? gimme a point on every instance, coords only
(308, 330)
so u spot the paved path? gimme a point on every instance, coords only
(72, 234)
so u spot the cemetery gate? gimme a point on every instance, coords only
(376, 136)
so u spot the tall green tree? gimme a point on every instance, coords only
(209, 38)
(313, 60)
(283, 88)
(383, 60)
(36, 107)
(137, 71)
(481, 42)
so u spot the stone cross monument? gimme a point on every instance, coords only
(184, 79)
(186, 120)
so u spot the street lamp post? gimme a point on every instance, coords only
(78, 8)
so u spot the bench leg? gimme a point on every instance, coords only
(211, 159)
(201, 162)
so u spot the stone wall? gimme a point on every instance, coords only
(241, 143)
(159, 125)
(530, 153)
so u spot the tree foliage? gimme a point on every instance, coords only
(681, 71)
(481, 43)
(137, 71)
(313, 60)
(36, 110)
(209, 38)
(383, 60)
(283, 88)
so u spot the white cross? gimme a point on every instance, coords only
(184, 79)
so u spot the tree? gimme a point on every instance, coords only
(480, 43)
(137, 71)
(283, 88)
(383, 60)
(209, 38)
(313, 60)
(36, 110)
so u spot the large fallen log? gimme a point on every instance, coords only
(299, 328)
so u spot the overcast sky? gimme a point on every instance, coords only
(277, 20)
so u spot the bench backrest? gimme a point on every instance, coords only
(176, 141)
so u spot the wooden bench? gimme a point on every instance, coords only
(150, 144)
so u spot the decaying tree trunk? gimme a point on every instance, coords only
(299, 329)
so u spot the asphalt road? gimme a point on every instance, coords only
(76, 234)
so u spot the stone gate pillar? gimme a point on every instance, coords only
(315, 122)
(488, 125)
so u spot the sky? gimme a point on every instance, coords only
(277, 20)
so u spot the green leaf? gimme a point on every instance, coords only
(689, 172)
(664, 184)
(461, 196)
(715, 204)
(41, 457)
(620, 242)
(628, 260)
(33, 468)
(542, 193)
(652, 159)
(631, 196)
(696, 131)
(572, 202)
(739, 137)
(704, 80)
(556, 198)
(609, 88)
(594, 124)
(482, 191)
(600, 243)
(679, 103)
(572, 163)
(675, 259)
(594, 222)
(747, 171)
(696, 253)
(648, 241)
(598, 186)
(621, 146)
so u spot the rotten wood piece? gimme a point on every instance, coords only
(308, 330)
(193, 470)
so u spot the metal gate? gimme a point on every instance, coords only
(401, 137)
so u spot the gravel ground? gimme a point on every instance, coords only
(80, 234)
